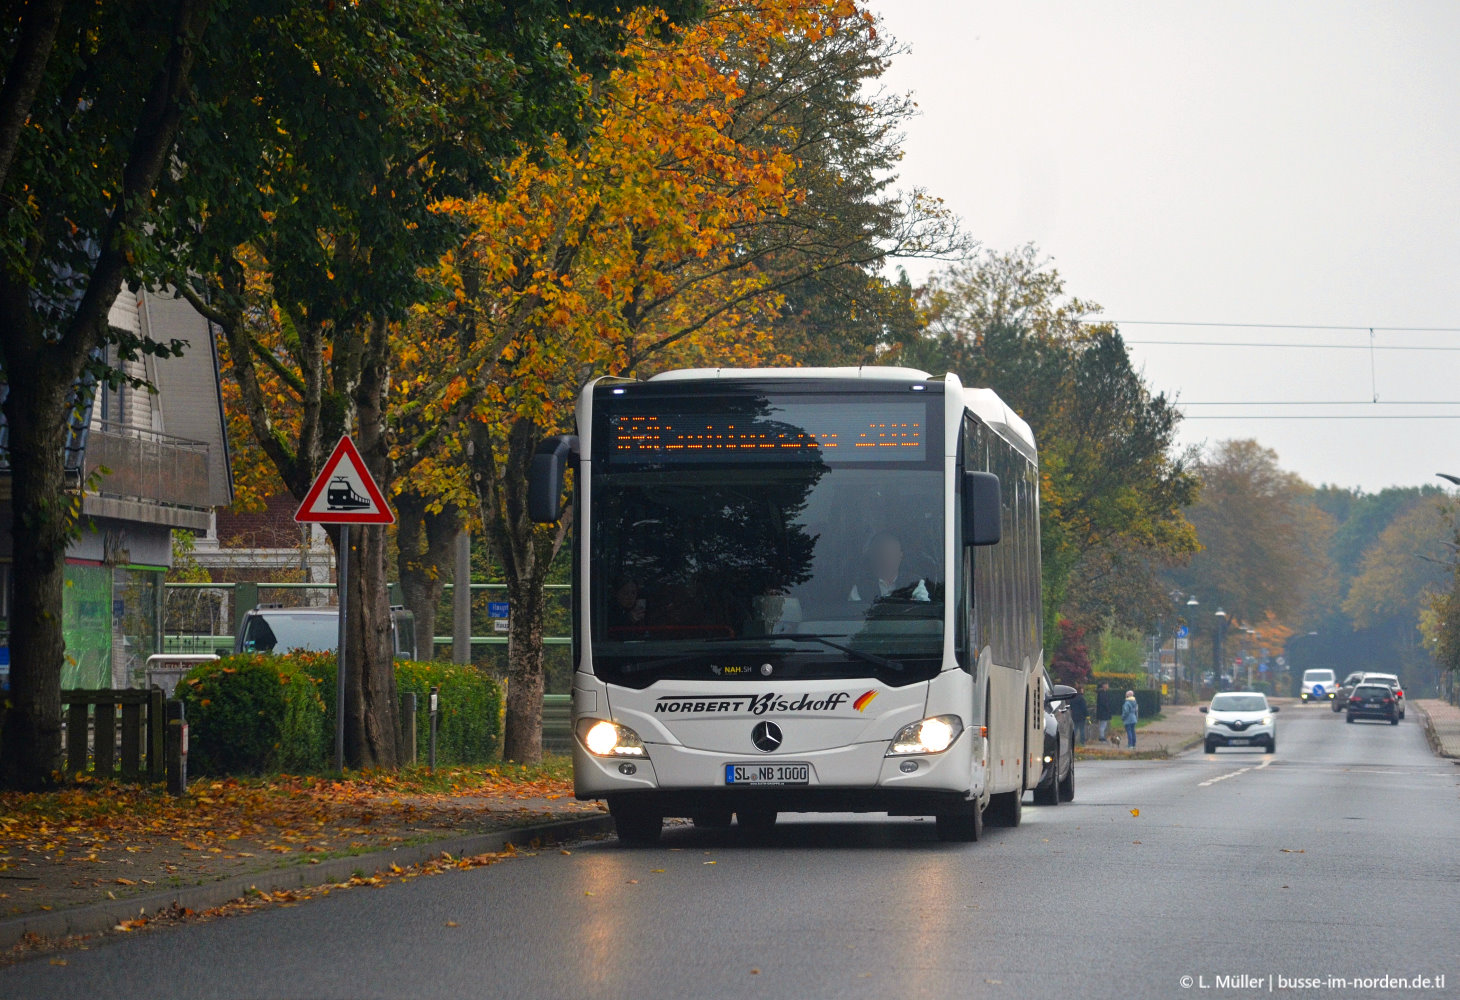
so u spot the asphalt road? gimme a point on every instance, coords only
(1337, 857)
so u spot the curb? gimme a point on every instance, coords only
(91, 918)
(1433, 738)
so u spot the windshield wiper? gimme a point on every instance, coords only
(666, 662)
(672, 661)
(860, 654)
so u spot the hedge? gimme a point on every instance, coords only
(1121, 682)
(253, 715)
(472, 706)
(264, 713)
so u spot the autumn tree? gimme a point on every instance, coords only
(1113, 484)
(1264, 544)
(664, 240)
(90, 108)
(1070, 658)
(1404, 577)
(1406, 562)
(366, 114)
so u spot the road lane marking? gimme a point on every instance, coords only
(1233, 774)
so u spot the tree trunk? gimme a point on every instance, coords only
(372, 715)
(425, 541)
(499, 476)
(30, 756)
(372, 721)
(522, 741)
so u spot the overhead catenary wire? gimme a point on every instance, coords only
(1319, 403)
(1321, 416)
(1364, 328)
(1370, 343)
(1316, 347)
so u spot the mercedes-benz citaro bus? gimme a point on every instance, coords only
(802, 590)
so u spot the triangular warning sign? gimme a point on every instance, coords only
(344, 492)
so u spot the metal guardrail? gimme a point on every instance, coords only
(176, 641)
(557, 723)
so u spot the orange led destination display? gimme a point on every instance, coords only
(835, 432)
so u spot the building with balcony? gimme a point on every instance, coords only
(161, 463)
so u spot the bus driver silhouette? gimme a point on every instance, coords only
(883, 575)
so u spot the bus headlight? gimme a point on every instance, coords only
(932, 735)
(606, 739)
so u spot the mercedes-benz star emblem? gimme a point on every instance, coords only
(766, 736)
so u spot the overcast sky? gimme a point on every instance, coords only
(1263, 163)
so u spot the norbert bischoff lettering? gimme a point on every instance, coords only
(754, 704)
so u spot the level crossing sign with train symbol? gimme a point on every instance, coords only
(344, 492)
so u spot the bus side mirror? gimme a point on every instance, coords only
(545, 478)
(981, 509)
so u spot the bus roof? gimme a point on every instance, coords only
(982, 403)
(993, 411)
(886, 373)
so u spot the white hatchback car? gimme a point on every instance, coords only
(1240, 719)
(1318, 685)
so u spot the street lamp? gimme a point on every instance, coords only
(1193, 603)
(1218, 635)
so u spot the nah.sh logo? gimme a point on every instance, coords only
(864, 700)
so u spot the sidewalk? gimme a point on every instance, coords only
(96, 858)
(1179, 728)
(1442, 725)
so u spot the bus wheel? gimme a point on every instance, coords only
(756, 820)
(966, 824)
(636, 825)
(1006, 808)
(711, 819)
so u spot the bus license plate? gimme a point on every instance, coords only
(767, 774)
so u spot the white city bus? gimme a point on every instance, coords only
(801, 590)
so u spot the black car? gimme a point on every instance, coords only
(1057, 782)
(1392, 680)
(1345, 689)
(1373, 701)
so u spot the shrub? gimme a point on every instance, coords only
(470, 725)
(252, 714)
(260, 713)
(1125, 682)
(1148, 701)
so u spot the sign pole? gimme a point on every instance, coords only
(343, 573)
(343, 493)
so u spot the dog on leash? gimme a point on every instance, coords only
(1114, 738)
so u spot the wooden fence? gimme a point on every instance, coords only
(133, 750)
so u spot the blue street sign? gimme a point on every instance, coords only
(497, 609)
(1182, 632)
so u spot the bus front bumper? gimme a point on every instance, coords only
(856, 778)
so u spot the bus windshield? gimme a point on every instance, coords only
(779, 560)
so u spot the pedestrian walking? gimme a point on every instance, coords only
(1079, 712)
(1130, 712)
(1103, 710)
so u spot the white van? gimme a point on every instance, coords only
(1318, 685)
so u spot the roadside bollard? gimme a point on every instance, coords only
(408, 725)
(177, 748)
(435, 709)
